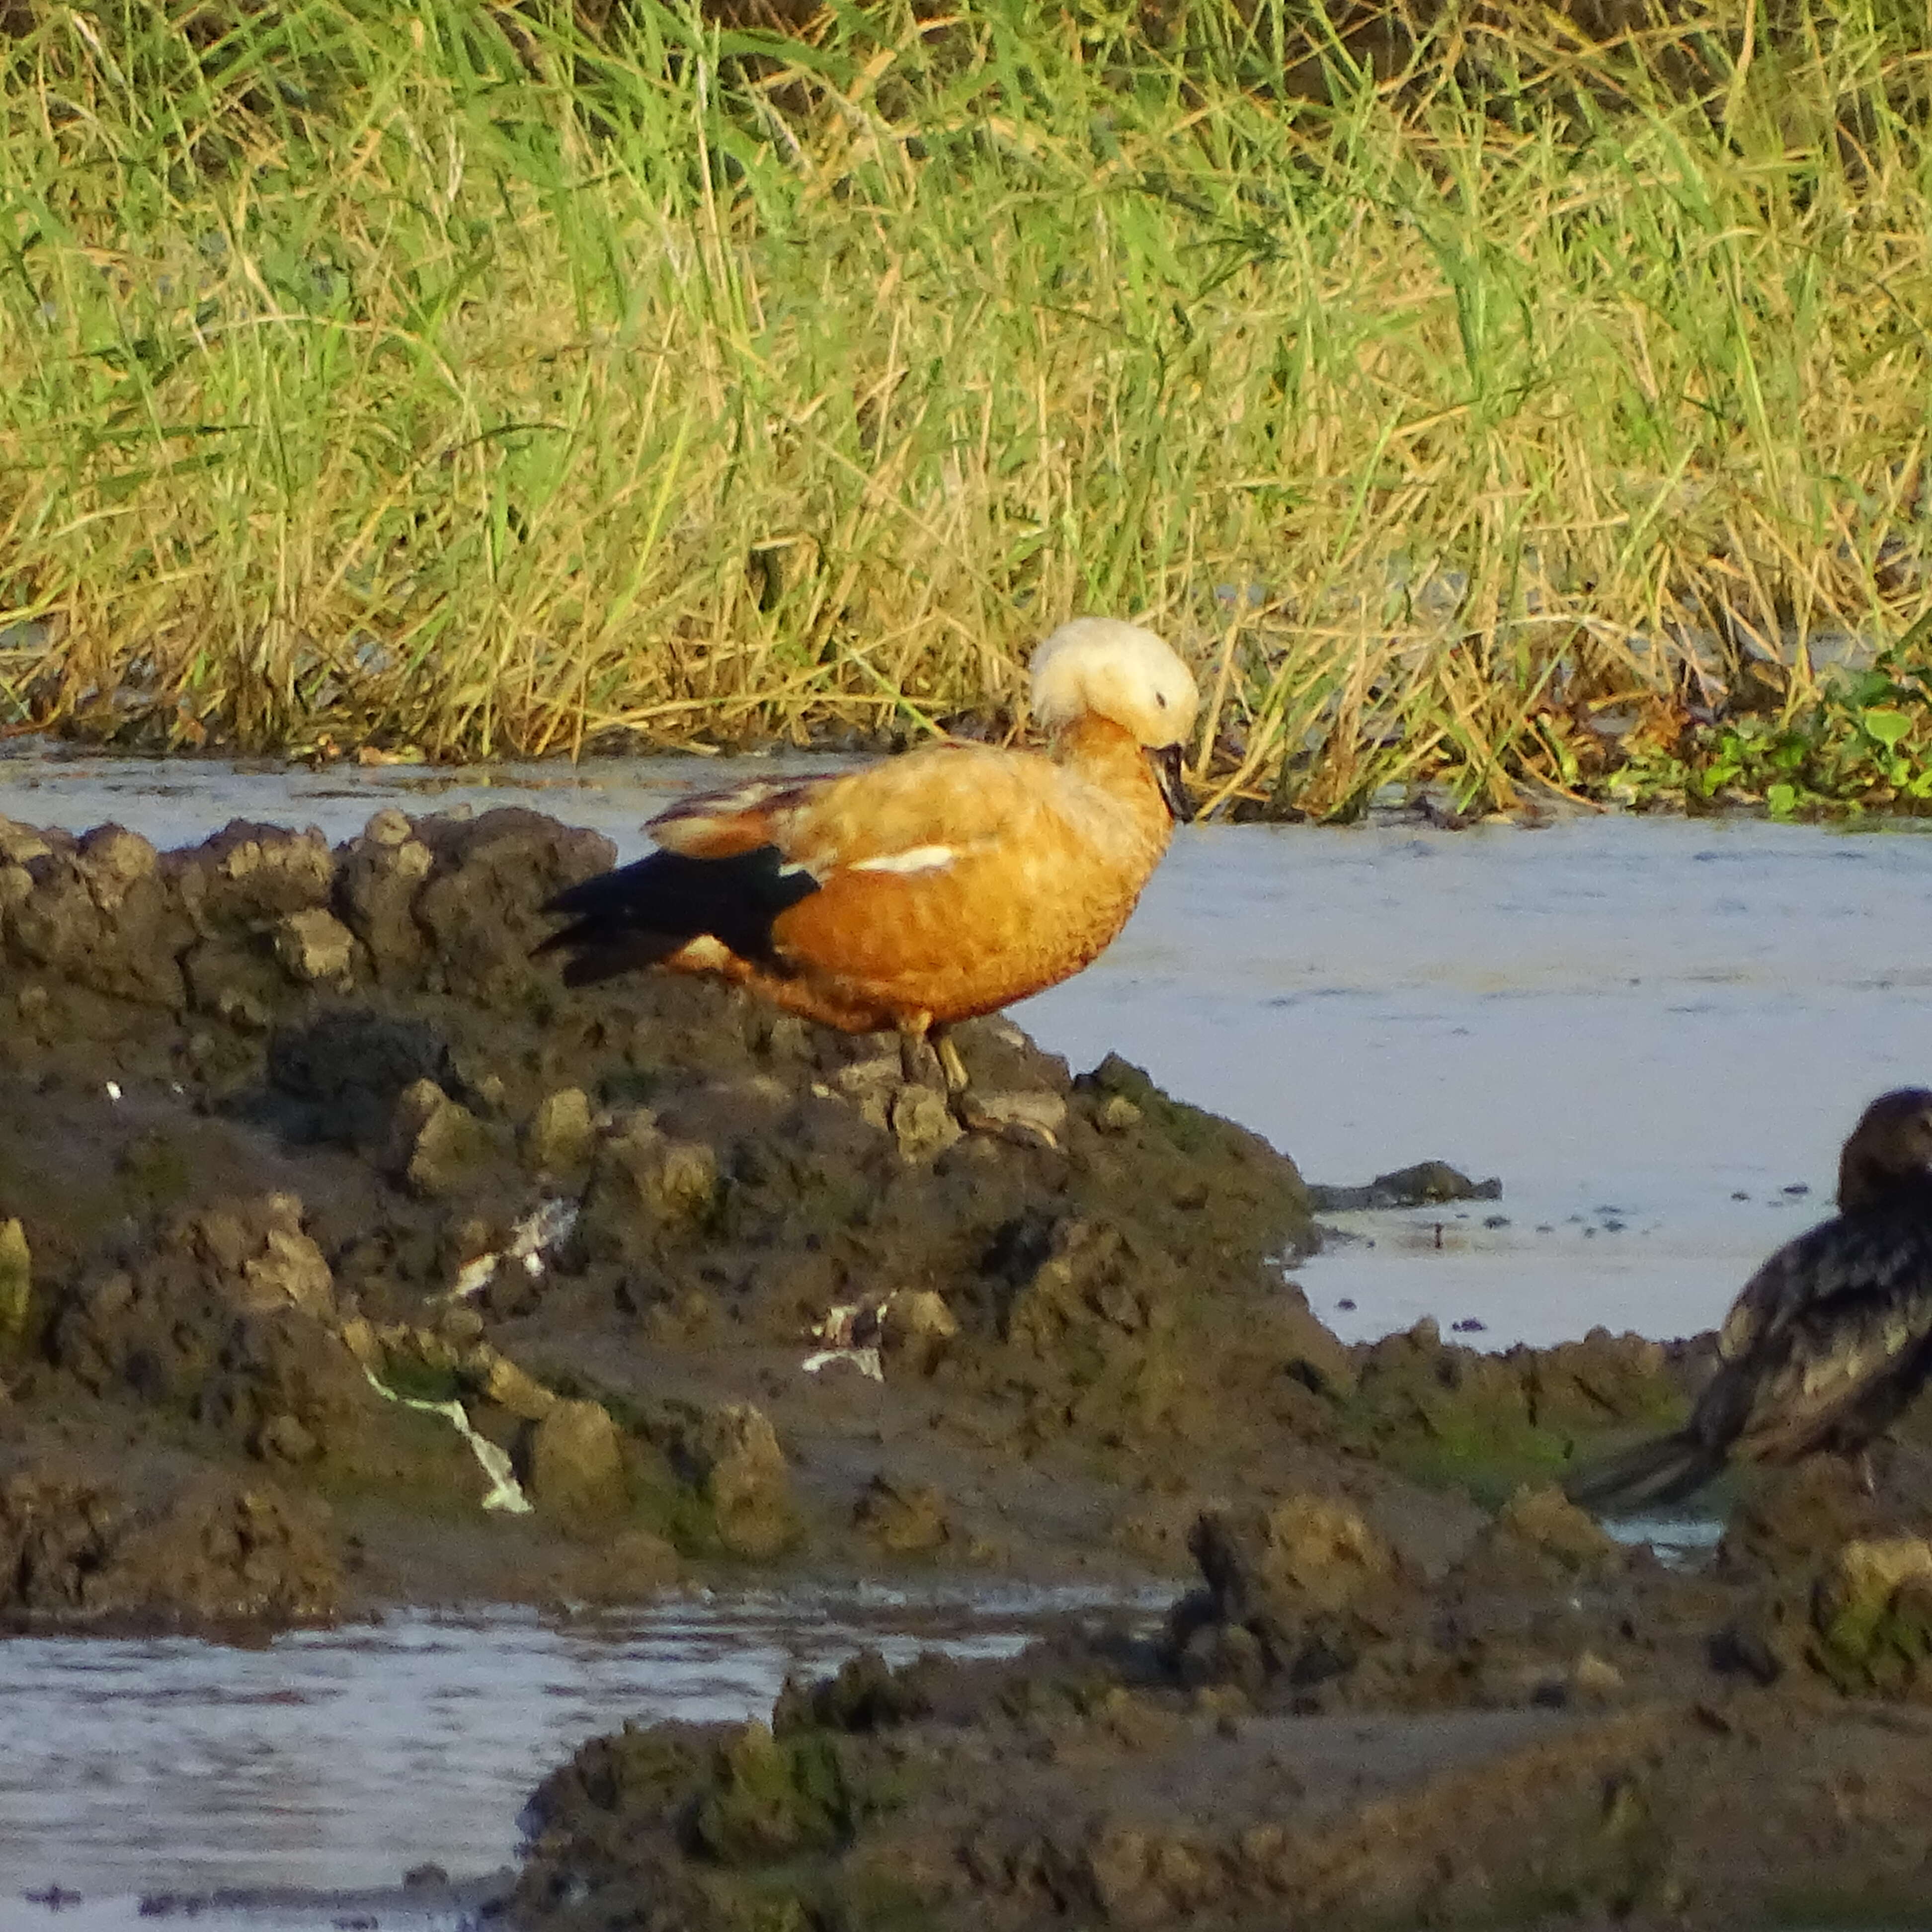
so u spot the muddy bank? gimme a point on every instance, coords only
(345, 1257)
(1550, 1729)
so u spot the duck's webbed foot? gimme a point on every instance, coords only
(925, 1049)
(952, 1068)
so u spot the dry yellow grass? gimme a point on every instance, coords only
(420, 380)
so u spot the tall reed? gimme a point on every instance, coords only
(458, 379)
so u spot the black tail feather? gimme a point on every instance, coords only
(640, 914)
(1666, 1469)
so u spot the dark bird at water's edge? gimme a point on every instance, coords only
(1830, 1339)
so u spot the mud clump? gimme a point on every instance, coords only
(75, 1549)
(573, 1462)
(312, 1160)
(1099, 1780)
(1425, 1184)
(1445, 1413)
(320, 1174)
(226, 1318)
(1295, 1594)
(730, 1457)
(16, 1285)
(1872, 1610)
(904, 1518)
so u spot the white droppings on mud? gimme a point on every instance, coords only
(865, 1360)
(473, 1276)
(506, 1493)
(112, 1090)
(546, 1224)
(851, 1332)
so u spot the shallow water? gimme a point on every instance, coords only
(1653, 1031)
(1632, 1021)
(341, 1759)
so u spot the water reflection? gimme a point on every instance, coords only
(344, 1758)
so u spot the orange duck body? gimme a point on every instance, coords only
(928, 888)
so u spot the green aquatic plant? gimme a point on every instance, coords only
(1862, 740)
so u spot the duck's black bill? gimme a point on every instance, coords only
(1167, 771)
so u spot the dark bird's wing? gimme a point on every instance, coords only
(1665, 1469)
(725, 871)
(1828, 1340)
(1827, 1343)
(641, 914)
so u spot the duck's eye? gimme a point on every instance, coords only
(1160, 698)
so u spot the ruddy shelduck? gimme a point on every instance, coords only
(927, 889)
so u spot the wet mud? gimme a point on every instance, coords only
(1549, 1729)
(347, 1255)
(347, 1259)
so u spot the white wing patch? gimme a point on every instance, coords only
(915, 859)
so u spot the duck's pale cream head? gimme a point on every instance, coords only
(1117, 671)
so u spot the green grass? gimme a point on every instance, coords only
(435, 377)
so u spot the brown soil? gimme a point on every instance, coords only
(1553, 1730)
(268, 1110)
(265, 1107)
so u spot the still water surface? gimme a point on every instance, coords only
(342, 1758)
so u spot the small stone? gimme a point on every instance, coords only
(871, 1086)
(576, 1462)
(433, 1142)
(500, 1381)
(1036, 1117)
(914, 1327)
(21, 844)
(314, 947)
(907, 1519)
(290, 1270)
(562, 1136)
(746, 1481)
(1595, 1680)
(1540, 1522)
(643, 1183)
(359, 1337)
(112, 860)
(1870, 1605)
(16, 1282)
(922, 1123)
(388, 827)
